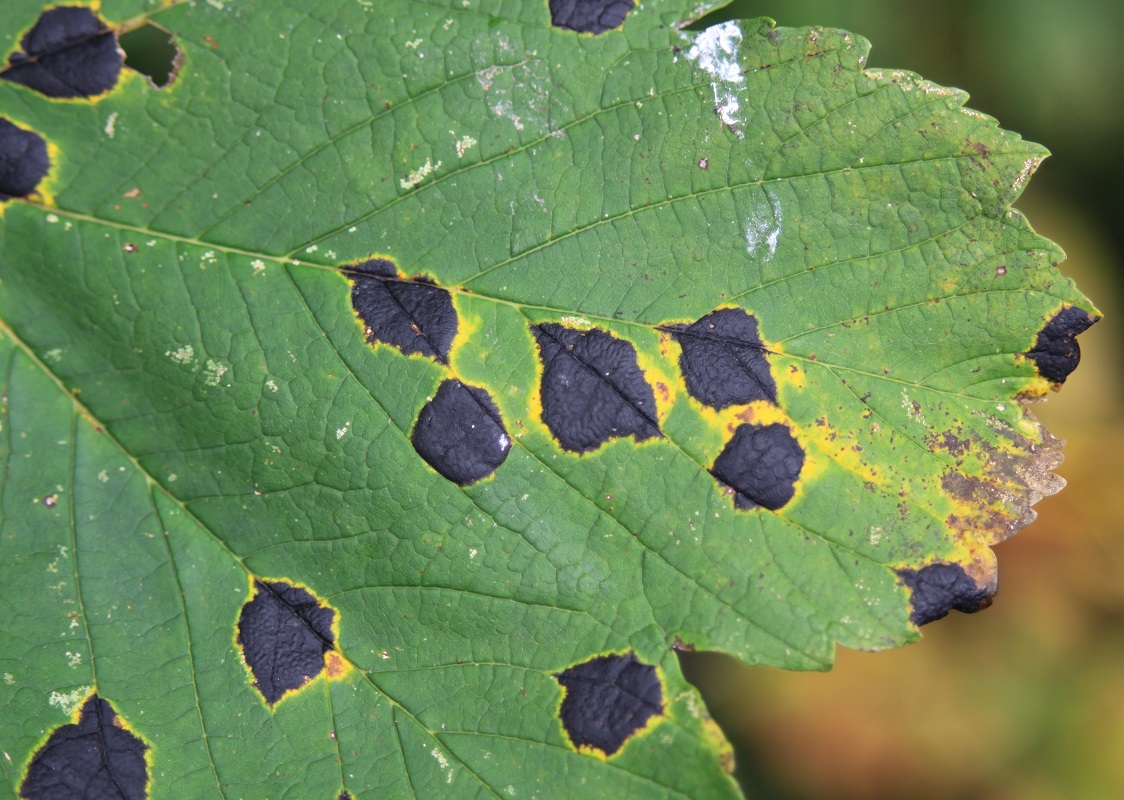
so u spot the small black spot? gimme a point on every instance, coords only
(93, 759)
(284, 633)
(939, 588)
(589, 16)
(723, 359)
(460, 433)
(413, 315)
(608, 699)
(23, 160)
(1056, 353)
(593, 389)
(344, 795)
(762, 464)
(68, 53)
(152, 51)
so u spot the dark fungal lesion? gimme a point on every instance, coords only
(69, 53)
(416, 316)
(761, 464)
(723, 359)
(590, 16)
(592, 388)
(96, 757)
(461, 434)
(607, 700)
(24, 160)
(285, 634)
(937, 589)
(1056, 352)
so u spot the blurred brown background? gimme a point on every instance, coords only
(1025, 700)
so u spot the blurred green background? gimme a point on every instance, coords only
(1026, 700)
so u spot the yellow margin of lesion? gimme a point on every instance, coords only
(647, 727)
(75, 717)
(336, 666)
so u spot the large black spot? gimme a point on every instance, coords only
(761, 463)
(413, 315)
(460, 433)
(94, 759)
(593, 390)
(939, 588)
(589, 16)
(1056, 353)
(68, 53)
(723, 360)
(284, 634)
(608, 699)
(23, 160)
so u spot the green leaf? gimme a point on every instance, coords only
(390, 395)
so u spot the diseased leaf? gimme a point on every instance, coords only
(500, 350)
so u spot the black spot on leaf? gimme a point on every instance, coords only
(69, 52)
(413, 315)
(938, 588)
(151, 51)
(94, 759)
(1056, 353)
(589, 16)
(284, 633)
(761, 463)
(23, 160)
(460, 433)
(593, 389)
(344, 795)
(723, 359)
(608, 699)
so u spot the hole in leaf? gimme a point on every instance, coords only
(761, 463)
(68, 53)
(460, 433)
(607, 700)
(97, 757)
(593, 389)
(152, 51)
(23, 160)
(284, 632)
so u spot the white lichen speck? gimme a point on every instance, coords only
(419, 174)
(464, 144)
